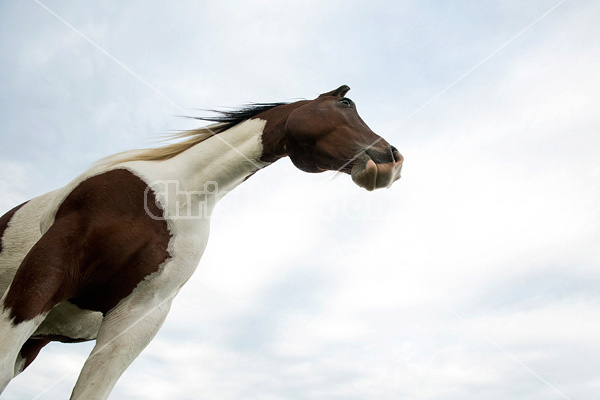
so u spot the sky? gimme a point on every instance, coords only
(475, 276)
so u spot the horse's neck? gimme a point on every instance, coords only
(225, 159)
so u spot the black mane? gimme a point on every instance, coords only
(231, 118)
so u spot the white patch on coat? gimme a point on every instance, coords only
(22, 232)
(13, 337)
(66, 319)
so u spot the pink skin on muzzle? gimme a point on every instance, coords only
(370, 175)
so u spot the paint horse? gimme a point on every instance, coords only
(103, 257)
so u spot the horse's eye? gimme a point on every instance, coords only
(346, 101)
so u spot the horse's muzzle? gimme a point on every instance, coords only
(370, 173)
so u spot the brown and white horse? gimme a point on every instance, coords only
(103, 257)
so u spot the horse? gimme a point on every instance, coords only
(103, 257)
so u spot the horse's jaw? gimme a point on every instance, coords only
(369, 175)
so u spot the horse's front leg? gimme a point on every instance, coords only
(125, 331)
(12, 338)
(128, 328)
(37, 286)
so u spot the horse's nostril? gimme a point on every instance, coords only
(396, 154)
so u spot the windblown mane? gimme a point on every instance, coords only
(223, 121)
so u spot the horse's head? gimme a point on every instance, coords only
(327, 134)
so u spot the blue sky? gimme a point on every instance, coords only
(474, 276)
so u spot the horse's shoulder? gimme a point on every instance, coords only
(116, 232)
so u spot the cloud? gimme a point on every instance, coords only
(472, 275)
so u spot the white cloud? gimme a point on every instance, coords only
(311, 288)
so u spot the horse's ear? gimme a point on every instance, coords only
(339, 92)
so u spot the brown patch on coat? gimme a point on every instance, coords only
(59, 338)
(31, 348)
(5, 219)
(102, 243)
(327, 134)
(273, 137)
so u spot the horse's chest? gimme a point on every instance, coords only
(68, 323)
